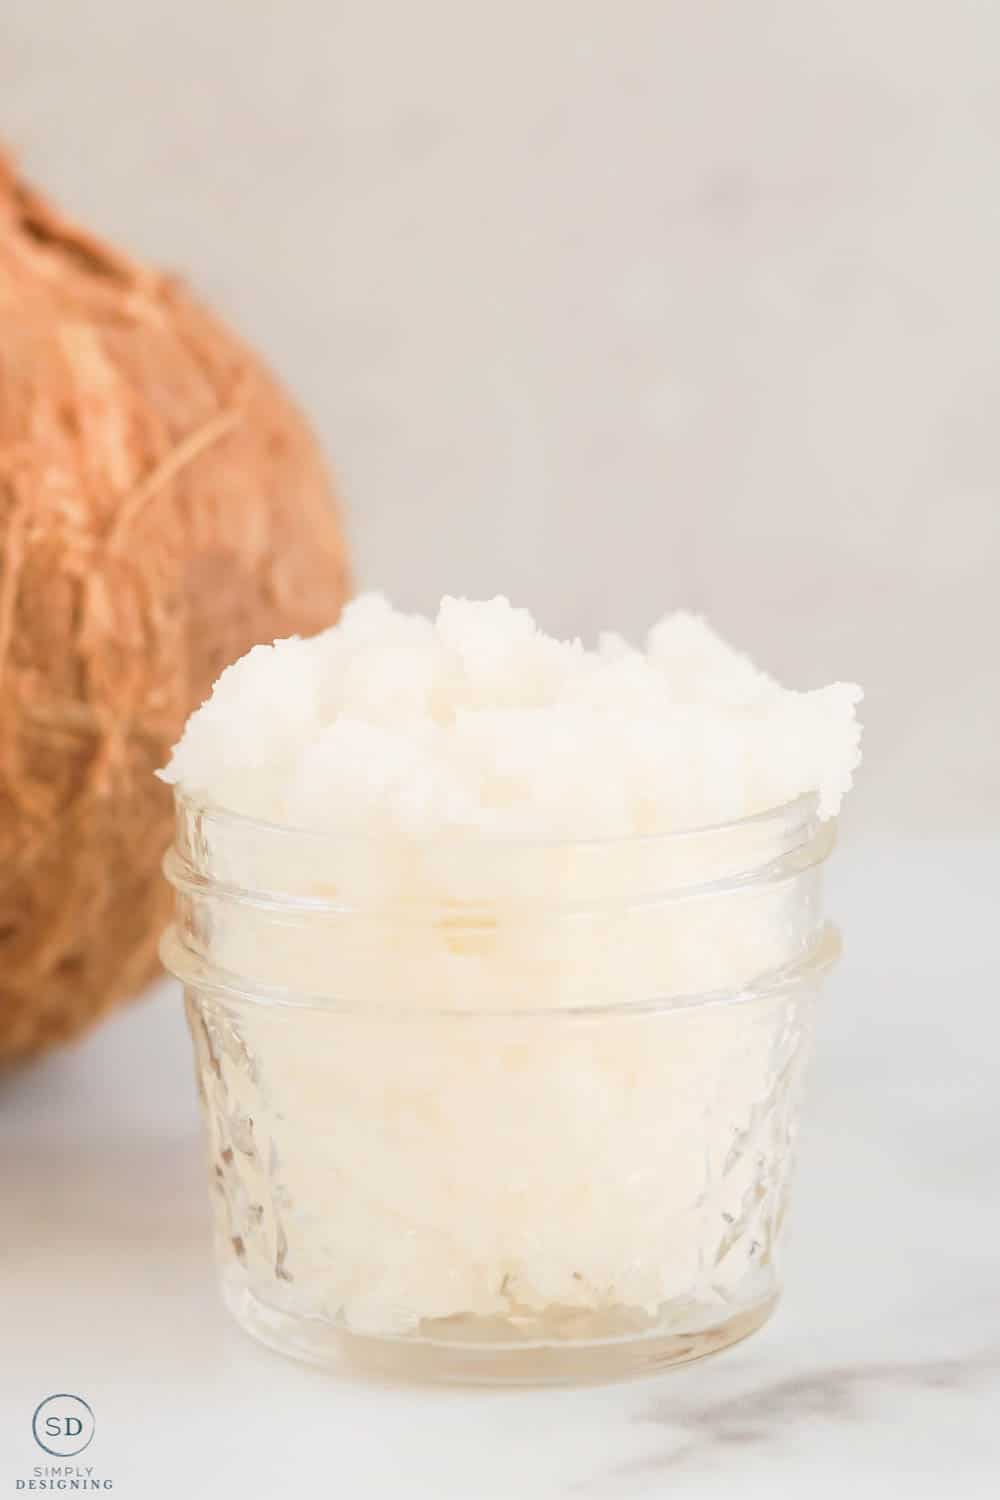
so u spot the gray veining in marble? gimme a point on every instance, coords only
(878, 1377)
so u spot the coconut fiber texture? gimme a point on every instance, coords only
(163, 507)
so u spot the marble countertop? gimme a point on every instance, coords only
(880, 1372)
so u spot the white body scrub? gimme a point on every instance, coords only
(497, 1056)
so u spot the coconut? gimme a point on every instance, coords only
(163, 507)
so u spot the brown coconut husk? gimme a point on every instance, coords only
(163, 507)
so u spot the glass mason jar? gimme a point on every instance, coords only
(494, 1109)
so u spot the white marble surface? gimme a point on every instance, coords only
(879, 1376)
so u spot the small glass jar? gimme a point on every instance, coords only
(500, 1110)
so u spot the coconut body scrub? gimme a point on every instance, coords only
(499, 958)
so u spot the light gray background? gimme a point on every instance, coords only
(610, 307)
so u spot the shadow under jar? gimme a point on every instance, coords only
(497, 1110)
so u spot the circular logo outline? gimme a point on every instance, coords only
(63, 1396)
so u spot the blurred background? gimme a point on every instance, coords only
(609, 308)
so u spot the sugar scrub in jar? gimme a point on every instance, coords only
(499, 958)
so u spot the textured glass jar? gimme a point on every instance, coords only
(500, 1110)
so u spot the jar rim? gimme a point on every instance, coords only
(807, 967)
(798, 812)
(221, 869)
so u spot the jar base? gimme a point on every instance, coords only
(317, 1342)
